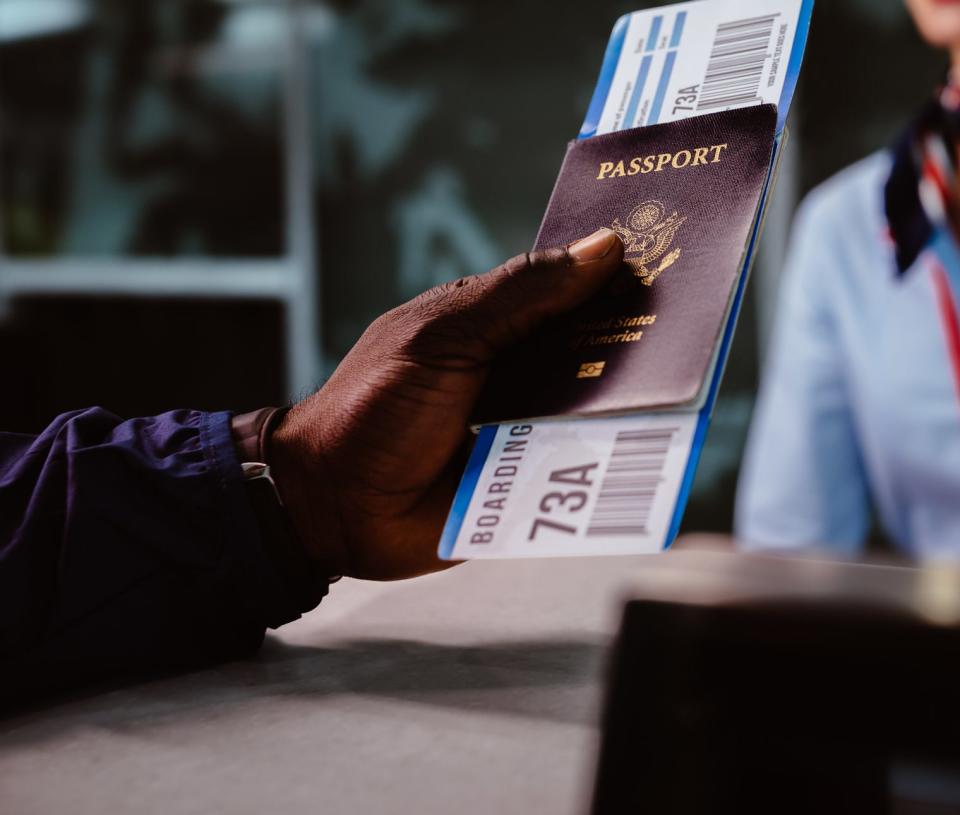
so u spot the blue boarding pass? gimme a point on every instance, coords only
(619, 485)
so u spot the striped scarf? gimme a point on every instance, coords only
(921, 204)
(924, 184)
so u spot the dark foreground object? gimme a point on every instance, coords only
(760, 685)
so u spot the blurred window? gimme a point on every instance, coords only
(141, 128)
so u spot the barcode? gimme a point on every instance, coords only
(630, 483)
(735, 70)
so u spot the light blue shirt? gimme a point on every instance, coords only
(858, 406)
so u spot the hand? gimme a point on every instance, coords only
(368, 466)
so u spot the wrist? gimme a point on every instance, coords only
(307, 491)
(274, 501)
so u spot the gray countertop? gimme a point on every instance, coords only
(474, 690)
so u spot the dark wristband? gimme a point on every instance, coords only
(251, 432)
(300, 572)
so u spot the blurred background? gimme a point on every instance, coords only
(204, 202)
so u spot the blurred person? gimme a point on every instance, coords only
(858, 409)
(165, 542)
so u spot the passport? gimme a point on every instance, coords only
(684, 197)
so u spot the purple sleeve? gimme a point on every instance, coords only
(127, 546)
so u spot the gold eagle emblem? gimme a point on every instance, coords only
(647, 237)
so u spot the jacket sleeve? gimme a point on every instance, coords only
(128, 546)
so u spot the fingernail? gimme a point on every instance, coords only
(593, 247)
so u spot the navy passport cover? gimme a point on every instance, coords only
(684, 197)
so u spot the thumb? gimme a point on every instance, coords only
(487, 313)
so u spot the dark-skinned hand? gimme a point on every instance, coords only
(368, 466)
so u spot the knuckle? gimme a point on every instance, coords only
(518, 265)
(516, 288)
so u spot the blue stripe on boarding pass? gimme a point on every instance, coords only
(468, 485)
(678, 29)
(662, 88)
(629, 118)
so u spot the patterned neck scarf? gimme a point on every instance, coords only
(924, 186)
(921, 200)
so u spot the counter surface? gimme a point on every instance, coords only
(474, 690)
